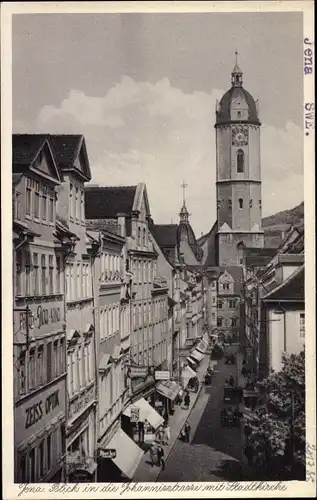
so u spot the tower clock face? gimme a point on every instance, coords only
(239, 135)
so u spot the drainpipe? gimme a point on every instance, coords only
(93, 260)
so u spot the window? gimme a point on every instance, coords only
(49, 361)
(40, 365)
(77, 201)
(37, 200)
(17, 208)
(62, 355)
(44, 203)
(32, 466)
(302, 325)
(49, 451)
(28, 198)
(51, 209)
(50, 274)
(240, 203)
(139, 236)
(78, 280)
(240, 161)
(71, 201)
(82, 205)
(58, 274)
(43, 274)
(18, 262)
(225, 287)
(250, 203)
(213, 316)
(55, 359)
(22, 469)
(219, 321)
(219, 304)
(232, 304)
(41, 458)
(22, 374)
(260, 203)
(233, 321)
(218, 204)
(27, 273)
(36, 273)
(63, 439)
(32, 369)
(229, 203)
(144, 237)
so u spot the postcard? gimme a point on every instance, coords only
(158, 294)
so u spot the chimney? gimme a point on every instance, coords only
(121, 223)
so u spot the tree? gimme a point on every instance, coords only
(277, 426)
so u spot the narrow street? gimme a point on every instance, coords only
(214, 452)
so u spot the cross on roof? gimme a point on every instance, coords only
(184, 186)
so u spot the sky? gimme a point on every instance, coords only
(142, 88)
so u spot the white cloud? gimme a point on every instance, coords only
(156, 133)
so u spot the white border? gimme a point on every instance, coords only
(11, 491)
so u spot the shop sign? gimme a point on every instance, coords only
(39, 317)
(81, 401)
(107, 453)
(135, 414)
(37, 412)
(138, 371)
(162, 375)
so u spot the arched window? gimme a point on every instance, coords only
(240, 161)
(240, 202)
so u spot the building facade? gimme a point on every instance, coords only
(82, 390)
(39, 340)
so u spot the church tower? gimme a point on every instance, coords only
(239, 211)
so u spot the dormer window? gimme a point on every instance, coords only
(240, 203)
(240, 161)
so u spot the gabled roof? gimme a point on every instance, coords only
(165, 234)
(107, 202)
(235, 271)
(67, 150)
(26, 149)
(292, 289)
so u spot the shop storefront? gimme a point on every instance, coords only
(166, 396)
(39, 435)
(144, 420)
(119, 458)
(81, 462)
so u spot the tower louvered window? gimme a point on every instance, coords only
(240, 161)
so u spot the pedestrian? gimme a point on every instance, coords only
(187, 431)
(167, 434)
(153, 454)
(159, 435)
(160, 453)
(141, 432)
(187, 400)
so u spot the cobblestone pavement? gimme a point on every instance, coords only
(214, 453)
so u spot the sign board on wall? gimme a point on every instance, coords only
(107, 453)
(135, 414)
(162, 375)
(42, 318)
(38, 411)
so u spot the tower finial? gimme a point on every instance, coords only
(184, 212)
(236, 53)
(184, 186)
(236, 75)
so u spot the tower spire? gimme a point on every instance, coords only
(184, 212)
(236, 75)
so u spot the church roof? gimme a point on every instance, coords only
(239, 95)
(107, 202)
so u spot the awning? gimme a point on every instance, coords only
(116, 352)
(197, 355)
(72, 334)
(187, 374)
(192, 361)
(128, 453)
(202, 346)
(169, 389)
(125, 345)
(104, 361)
(91, 466)
(88, 328)
(146, 413)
